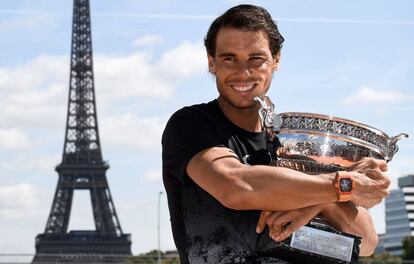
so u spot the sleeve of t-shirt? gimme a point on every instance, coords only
(188, 132)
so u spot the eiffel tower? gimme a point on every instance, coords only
(82, 168)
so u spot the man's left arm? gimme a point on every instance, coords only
(345, 217)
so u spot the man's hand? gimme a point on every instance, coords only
(370, 182)
(369, 163)
(283, 224)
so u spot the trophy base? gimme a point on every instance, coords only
(317, 243)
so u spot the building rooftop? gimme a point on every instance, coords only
(407, 181)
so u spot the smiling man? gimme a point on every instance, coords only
(215, 156)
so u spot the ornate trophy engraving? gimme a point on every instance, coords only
(314, 143)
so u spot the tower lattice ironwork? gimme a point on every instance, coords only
(82, 168)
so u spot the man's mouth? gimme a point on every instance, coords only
(243, 87)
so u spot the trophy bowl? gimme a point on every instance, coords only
(320, 143)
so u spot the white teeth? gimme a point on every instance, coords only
(242, 88)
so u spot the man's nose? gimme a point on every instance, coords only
(243, 67)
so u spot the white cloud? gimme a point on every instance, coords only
(24, 209)
(19, 200)
(153, 175)
(30, 162)
(128, 130)
(373, 96)
(147, 40)
(32, 93)
(184, 60)
(35, 93)
(35, 74)
(13, 138)
(121, 77)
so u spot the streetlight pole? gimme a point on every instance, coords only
(159, 240)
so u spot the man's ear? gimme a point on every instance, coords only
(276, 61)
(211, 64)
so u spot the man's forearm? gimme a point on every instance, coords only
(280, 189)
(355, 220)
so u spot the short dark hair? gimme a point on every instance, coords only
(245, 17)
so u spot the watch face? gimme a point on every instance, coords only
(345, 184)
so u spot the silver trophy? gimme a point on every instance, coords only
(314, 143)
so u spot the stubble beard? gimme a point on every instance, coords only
(228, 101)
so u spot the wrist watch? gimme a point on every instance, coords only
(344, 185)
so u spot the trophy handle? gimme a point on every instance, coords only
(392, 144)
(271, 121)
(263, 110)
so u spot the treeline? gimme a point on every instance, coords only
(151, 257)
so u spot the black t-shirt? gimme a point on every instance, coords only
(204, 230)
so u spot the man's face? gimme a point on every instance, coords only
(243, 66)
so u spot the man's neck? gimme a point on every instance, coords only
(246, 118)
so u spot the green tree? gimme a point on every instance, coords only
(408, 246)
(151, 257)
(384, 258)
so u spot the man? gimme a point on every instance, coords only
(215, 157)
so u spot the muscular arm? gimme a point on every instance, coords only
(219, 172)
(354, 220)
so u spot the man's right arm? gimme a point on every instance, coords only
(241, 187)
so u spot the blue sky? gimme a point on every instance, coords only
(352, 59)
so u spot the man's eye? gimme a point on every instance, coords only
(258, 59)
(229, 59)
